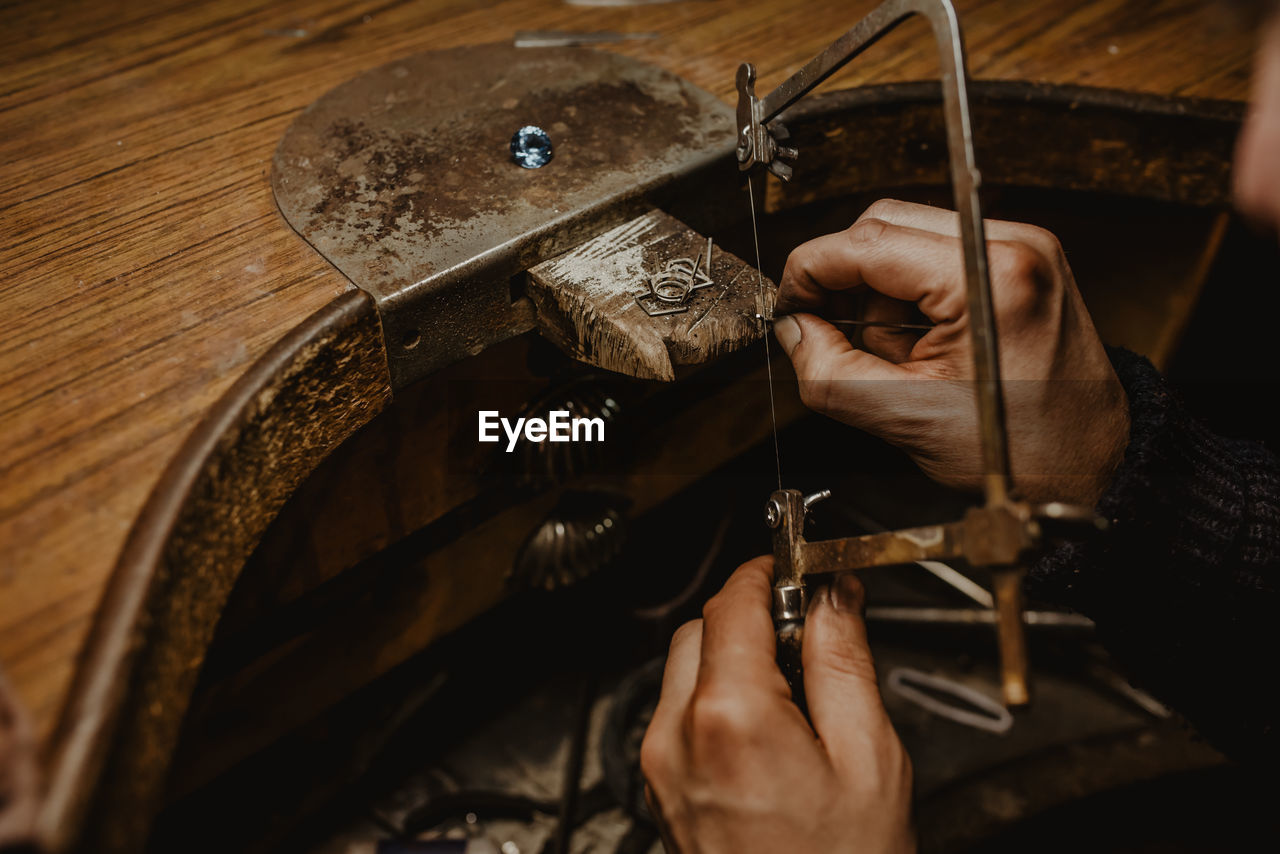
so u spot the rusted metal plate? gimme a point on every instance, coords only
(403, 179)
(587, 299)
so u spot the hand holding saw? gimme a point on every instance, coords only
(1002, 533)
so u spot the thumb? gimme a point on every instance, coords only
(840, 676)
(835, 378)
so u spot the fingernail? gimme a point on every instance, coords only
(787, 332)
(847, 594)
(820, 595)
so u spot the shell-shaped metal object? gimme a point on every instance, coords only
(549, 463)
(580, 536)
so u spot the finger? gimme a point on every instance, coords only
(680, 674)
(946, 222)
(660, 751)
(938, 221)
(891, 344)
(660, 819)
(846, 304)
(840, 677)
(901, 262)
(913, 215)
(738, 643)
(1257, 169)
(836, 379)
(821, 352)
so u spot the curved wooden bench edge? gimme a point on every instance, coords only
(315, 387)
(1027, 134)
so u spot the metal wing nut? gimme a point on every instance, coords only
(759, 142)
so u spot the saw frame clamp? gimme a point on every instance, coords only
(1004, 532)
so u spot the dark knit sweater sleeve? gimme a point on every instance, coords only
(1184, 586)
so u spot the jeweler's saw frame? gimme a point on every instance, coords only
(1003, 532)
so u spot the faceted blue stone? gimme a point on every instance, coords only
(531, 147)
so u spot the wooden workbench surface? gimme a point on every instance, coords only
(145, 265)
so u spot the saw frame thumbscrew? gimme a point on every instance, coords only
(814, 498)
(773, 513)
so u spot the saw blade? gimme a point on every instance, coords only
(765, 314)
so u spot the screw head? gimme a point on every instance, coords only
(773, 513)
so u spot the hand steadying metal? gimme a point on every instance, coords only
(1003, 532)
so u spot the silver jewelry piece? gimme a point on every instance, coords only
(673, 287)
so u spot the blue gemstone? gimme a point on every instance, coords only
(531, 147)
